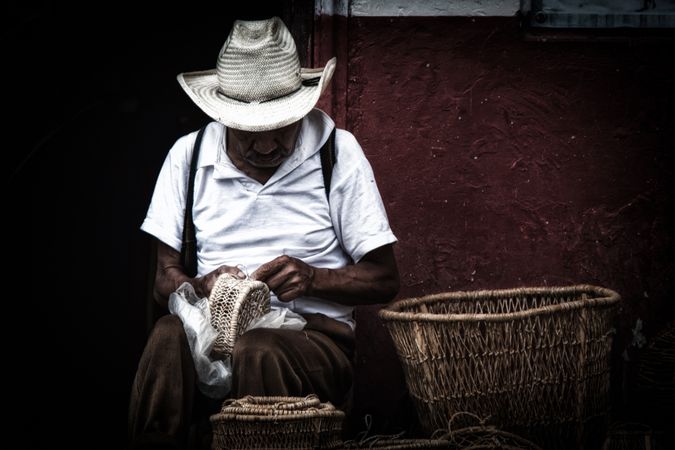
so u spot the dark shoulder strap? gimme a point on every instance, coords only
(189, 248)
(328, 160)
(188, 252)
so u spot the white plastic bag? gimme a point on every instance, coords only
(279, 318)
(215, 376)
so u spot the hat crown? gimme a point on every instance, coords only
(258, 62)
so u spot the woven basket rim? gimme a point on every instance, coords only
(392, 312)
(303, 416)
(275, 408)
(274, 403)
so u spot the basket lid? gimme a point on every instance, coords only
(297, 407)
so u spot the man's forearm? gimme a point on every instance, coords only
(168, 279)
(374, 279)
(171, 274)
(361, 283)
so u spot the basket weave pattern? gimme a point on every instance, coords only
(533, 359)
(400, 444)
(277, 422)
(235, 303)
(656, 374)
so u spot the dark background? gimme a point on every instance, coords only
(91, 107)
(503, 160)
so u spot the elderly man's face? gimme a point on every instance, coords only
(264, 149)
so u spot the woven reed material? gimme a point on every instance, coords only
(277, 422)
(478, 434)
(633, 436)
(364, 439)
(536, 360)
(389, 443)
(258, 83)
(486, 437)
(656, 373)
(271, 68)
(235, 303)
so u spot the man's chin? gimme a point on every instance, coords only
(265, 165)
(262, 163)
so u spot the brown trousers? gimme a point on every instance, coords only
(165, 400)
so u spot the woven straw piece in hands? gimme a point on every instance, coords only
(535, 360)
(277, 422)
(235, 303)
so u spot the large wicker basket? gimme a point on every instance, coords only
(277, 422)
(535, 360)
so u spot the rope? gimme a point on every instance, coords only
(362, 440)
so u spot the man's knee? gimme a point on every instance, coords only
(167, 333)
(259, 343)
(264, 362)
(264, 349)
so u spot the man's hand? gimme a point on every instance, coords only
(288, 277)
(170, 275)
(374, 279)
(204, 285)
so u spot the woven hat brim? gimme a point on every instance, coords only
(202, 87)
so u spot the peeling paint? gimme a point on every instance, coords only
(425, 8)
(507, 163)
(528, 164)
(331, 8)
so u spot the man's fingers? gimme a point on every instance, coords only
(288, 295)
(278, 281)
(287, 277)
(268, 269)
(237, 272)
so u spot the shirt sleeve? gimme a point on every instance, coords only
(164, 219)
(358, 214)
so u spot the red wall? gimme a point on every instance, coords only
(506, 162)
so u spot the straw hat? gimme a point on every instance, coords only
(258, 83)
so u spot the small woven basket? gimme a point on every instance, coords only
(277, 422)
(235, 303)
(535, 360)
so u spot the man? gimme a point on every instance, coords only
(260, 202)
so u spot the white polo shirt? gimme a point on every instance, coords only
(240, 221)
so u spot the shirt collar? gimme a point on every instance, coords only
(315, 130)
